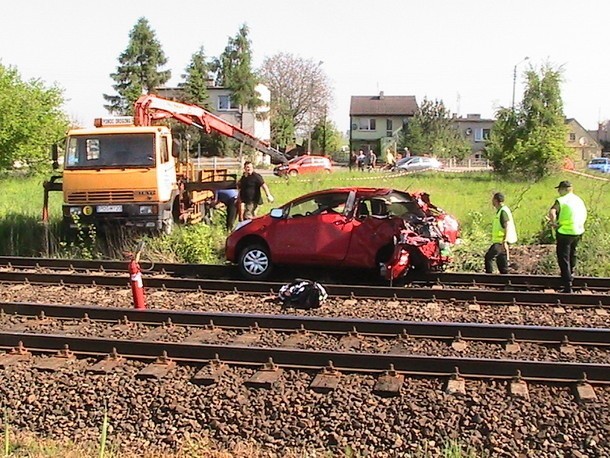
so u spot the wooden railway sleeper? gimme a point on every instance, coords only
(512, 346)
(518, 387)
(158, 369)
(14, 356)
(210, 374)
(584, 392)
(265, 377)
(389, 383)
(63, 358)
(456, 385)
(327, 380)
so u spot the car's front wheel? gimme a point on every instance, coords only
(255, 262)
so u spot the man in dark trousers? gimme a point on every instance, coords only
(228, 197)
(250, 185)
(503, 232)
(567, 216)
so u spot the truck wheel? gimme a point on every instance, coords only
(255, 262)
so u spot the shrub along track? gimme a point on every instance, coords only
(165, 411)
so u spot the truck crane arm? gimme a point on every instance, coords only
(149, 108)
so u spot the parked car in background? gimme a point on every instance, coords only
(600, 164)
(385, 230)
(304, 164)
(415, 163)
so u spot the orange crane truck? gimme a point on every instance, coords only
(128, 171)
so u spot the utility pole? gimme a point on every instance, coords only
(324, 133)
(515, 80)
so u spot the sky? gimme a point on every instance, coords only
(461, 52)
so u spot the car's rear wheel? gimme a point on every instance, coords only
(293, 173)
(255, 262)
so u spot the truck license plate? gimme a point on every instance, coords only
(109, 208)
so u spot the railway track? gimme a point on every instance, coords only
(201, 346)
(413, 293)
(228, 272)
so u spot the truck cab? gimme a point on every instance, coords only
(123, 174)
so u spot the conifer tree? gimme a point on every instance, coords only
(196, 80)
(138, 71)
(234, 70)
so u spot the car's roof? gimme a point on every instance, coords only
(360, 190)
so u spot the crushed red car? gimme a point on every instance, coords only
(382, 229)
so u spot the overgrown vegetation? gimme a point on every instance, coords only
(30, 120)
(529, 142)
(431, 131)
(467, 196)
(31, 446)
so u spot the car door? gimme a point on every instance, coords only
(414, 164)
(311, 232)
(370, 234)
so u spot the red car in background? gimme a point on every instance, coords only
(304, 164)
(381, 229)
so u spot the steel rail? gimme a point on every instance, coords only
(490, 297)
(213, 271)
(290, 323)
(561, 372)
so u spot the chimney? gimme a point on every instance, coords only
(473, 116)
(380, 95)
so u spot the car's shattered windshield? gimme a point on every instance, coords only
(402, 204)
(103, 151)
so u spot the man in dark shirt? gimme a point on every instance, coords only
(250, 185)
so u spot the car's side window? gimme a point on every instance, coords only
(364, 209)
(302, 208)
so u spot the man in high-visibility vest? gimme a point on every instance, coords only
(567, 215)
(503, 232)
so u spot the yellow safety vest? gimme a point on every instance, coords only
(500, 234)
(572, 215)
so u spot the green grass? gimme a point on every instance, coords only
(465, 195)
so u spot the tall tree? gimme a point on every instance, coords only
(325, 138)
(138, 71)
(431, 131)
(529, 142)
(234, 71)
(300, 93)
(196, 80)
(30, 118)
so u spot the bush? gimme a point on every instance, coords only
(474, 241)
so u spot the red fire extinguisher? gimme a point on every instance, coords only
(135, 278)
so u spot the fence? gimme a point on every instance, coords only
(453, 163)
(215, 163)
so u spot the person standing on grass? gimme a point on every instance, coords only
(250, 197)
(503, 232)
(567, 216)
(228, 197)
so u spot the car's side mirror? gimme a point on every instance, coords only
(55, 155)
(276, 213)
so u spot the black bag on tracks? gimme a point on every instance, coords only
(302, 294)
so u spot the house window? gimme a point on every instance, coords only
(388, 128)
(225, 103)
(366, 124)
(572, 137)
(481, 135)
